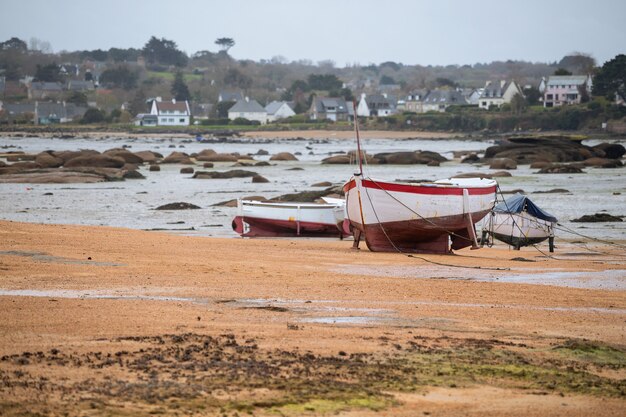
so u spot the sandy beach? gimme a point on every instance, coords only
(112, 321)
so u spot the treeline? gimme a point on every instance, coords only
(469, 119)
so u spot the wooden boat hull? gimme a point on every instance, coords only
(428, 218)
(261, 219)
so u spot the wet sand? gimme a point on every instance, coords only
(110, 321)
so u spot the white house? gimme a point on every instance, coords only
(375, 105)
(248, 109)
(171, 113)
(278, 110)
(496, 93)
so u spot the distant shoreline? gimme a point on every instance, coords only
(71, 132)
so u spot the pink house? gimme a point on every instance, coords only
(566, 89)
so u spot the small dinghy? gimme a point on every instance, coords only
(519, 222)
(274, 219)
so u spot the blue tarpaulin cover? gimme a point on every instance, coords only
(519, 203)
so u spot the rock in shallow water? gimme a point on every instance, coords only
(178, 206)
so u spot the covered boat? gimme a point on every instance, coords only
(430, 217)
(519, 222)
(274, 219)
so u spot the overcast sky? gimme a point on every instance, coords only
(425, 32)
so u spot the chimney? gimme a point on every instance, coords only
(173, 101)
(247, 99)
(158, 99)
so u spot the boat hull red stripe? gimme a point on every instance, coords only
(420, 189)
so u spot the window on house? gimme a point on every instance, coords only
(181, 120)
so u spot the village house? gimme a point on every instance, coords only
(566, 89)
(80, 86)
(440, 100)
(41, 90)
(330, 108)
(50, 113)
(277, 110)
(376, 105)
(17, 112)
(413, 102)
(496, 93)
(248, 109)
(171, 113)
(422, 101)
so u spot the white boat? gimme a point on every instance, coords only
(430, 217)
(519, 222)
(274, 219)
(427, 217)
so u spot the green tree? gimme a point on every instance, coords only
(518, 104)
(119, 77)
(578, 62)
(49, 73)
(236, 78)
(562, 71)
(138, 103)
(327, 82)
(179, 89)
(163, 51)
(611, 78)
(532, 95)
(223, 107)
(225, 43)
(387, 80)
(124, 55)
(78, 98)
(93, 116)
(14, 44)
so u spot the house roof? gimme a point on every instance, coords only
(378, 101)
(495, 89)
(46, 86)
(180, 106)
(60, 110)
(274, 106)
(251, 106)
(338, 103)
(448, 97)
(231, 96)
(566, 80)
(18, 108)
(74, 85)
(146, 116)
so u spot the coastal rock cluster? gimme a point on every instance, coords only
(551, 154)
(119, 164)
(396, 158)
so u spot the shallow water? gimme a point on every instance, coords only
(613, 280)
(131, 203)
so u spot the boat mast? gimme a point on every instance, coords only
(358, 139)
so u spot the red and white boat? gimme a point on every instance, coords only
(431, 217)
(274, 219)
